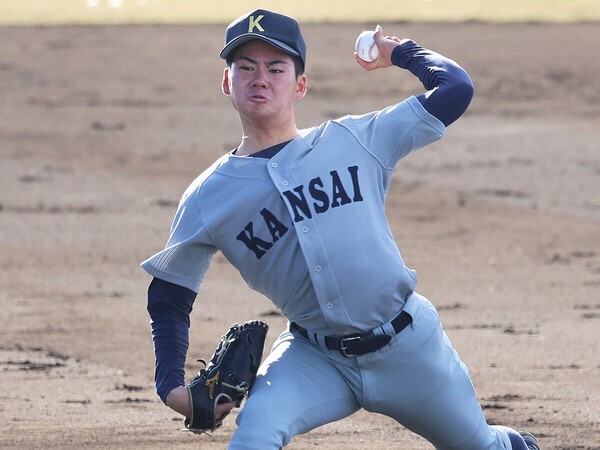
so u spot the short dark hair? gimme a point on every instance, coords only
(298, 65)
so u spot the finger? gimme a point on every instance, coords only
(221, 417)
(223, 409)
(364, 64)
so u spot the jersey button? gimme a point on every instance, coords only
(317, 268)
(285, 183)
(274, 165)
(329, 305)
(305, 229)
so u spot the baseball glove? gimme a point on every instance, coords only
(228, 376)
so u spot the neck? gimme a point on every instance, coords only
(260, 139)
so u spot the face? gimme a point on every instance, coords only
(262, 82)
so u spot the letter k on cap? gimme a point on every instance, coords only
(255, 23)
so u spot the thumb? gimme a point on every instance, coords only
(378, 36)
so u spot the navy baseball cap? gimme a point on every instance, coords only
(277, 29)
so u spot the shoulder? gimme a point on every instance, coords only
(397, 120)
(196, 186)
(409, 108)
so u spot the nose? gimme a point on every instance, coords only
(260, 78)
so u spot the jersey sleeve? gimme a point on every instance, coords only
(393, 132)
(189, 249)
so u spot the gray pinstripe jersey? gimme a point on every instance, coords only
(307, 228)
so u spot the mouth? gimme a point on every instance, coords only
(259, 98)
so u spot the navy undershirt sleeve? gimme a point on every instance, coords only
(449, 87)
(169, 306)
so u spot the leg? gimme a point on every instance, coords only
(422, 383)
(297, 389)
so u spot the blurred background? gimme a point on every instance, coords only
(213, 11)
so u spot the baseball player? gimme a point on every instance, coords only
(300, 214)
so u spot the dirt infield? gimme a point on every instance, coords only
(102, 128)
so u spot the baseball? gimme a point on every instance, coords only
(365, 46)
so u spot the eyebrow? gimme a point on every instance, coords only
(269, 63)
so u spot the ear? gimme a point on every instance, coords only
(225, 86)
(301, 87)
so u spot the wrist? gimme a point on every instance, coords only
(179, 400)
(404, 51)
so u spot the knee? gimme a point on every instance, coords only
(260, 427)
(515, 439)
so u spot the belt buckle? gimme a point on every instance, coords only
(343, 348)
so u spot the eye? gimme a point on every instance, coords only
(276, 71)
(246, 68)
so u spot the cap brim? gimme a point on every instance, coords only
(235, 43)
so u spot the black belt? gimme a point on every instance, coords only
(359, 343)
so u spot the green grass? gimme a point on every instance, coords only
(27, 12)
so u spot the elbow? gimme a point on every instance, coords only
(464, 91)
(469, 90)
(462, 95)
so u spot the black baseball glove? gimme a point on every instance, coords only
(228, 376)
